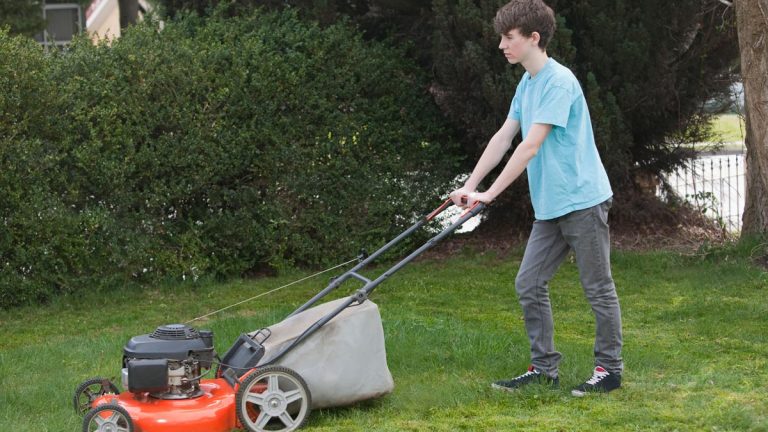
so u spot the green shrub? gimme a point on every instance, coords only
(35, 223)
(214, 147)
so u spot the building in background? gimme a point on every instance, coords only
(101, 19)
(104, 18)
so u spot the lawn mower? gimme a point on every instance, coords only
(268, 380)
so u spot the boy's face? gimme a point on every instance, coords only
(517, 47)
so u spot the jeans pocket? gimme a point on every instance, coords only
(603, 208)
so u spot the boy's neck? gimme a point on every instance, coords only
(535, 63)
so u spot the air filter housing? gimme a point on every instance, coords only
(175, 332)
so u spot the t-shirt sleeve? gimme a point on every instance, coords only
(554, 107)
(514, 108)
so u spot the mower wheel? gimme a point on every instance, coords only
(273, 398)
(108, 418)
(89, 390)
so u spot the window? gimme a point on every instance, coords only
(64, 21)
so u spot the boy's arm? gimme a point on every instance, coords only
(492, 155)
(516, 164)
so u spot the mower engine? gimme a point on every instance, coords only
(169, 363)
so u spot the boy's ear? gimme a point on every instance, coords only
(535, 37)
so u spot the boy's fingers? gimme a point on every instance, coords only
(471, 199)
(456, 197)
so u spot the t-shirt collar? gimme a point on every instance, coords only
(546, 66)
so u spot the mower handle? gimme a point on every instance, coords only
(362, 294)
(370, 285)
(439, 210)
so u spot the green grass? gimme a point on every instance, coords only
(695, 346)
(729, 128)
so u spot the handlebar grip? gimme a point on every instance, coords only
(446, 204)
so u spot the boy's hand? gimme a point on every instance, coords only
(470, 197)
(458, 194)
(483, 197)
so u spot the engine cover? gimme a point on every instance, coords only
(172, 342)
(168, 363)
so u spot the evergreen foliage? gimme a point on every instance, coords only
(214, 147)
(660, 62)
(22, 16)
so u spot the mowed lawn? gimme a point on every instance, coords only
(695, 329)
(729, 128)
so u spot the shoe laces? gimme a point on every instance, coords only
(531, 371)
(598, 375)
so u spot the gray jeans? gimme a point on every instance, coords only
(586, 233)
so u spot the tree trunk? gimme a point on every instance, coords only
(752, 23)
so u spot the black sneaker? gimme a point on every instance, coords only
(533, 376)
(602, 381)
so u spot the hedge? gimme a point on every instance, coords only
(213, 147)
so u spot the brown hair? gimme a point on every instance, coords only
(527, 16)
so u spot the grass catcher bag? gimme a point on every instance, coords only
(343, 362)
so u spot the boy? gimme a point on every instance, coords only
(569, 191)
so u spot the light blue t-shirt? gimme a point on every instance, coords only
(566, 174)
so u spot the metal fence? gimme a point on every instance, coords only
(713, 184)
